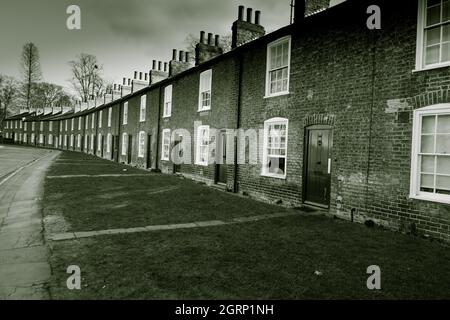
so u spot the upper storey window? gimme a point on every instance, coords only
(433, 38)
(278, 67)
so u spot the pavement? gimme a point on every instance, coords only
(24, 266)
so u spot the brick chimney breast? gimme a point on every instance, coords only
(206, 51)
(246, 31)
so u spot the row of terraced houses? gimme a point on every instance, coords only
(326, 111)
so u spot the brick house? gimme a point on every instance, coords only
(331, 113)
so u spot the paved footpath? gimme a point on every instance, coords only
(24, 267)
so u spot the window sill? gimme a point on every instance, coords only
(204, 110)
(201, 164)
(279, 94)
(434, 198)
(165, 160)
(432, 67)
(167, 117)
(276, 176)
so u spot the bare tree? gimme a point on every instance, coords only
(31, 70)
(86, 76)
(8, 96)
(47, 94)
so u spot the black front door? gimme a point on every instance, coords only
(318, 166)
(149, 151)
(177, 146)
(130, 148)
(221, 166)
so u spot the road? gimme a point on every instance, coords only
(24, 267)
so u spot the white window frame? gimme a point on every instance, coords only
(92, 142)
(420, 43)
(165, 144)
(264, 169)
(50, 126)
(415, 193)
(71, 140)
(199, 145)
(108, 143)
(86, 142)
(86, 123)
(124, 143)
(41, 126)
(99, 142)
(167, 112)
(66, 126)
(50, 139)
(143, 108)
(79, 122)
(25, 126)
(79, 141)
(204, 76)
(109, 117)
(72, 125)
(41, 138)
(100, 118)
(141, 144)
(269, 46)
(93, 121)
(125, 113)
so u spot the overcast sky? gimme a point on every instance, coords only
(125, 35)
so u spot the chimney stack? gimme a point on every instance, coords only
(246, 31)
(206, 51)
(299, 11)
(178, 65)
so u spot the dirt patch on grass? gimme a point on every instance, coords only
(54, 221)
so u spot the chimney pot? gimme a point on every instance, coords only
(145, 76)
(299, 11)
(174, 54)
(241, 13)
(124, 81)
(216, 40)
(202, 36)
(181, 56)
(249, 15)
(159, 65)
(153, 64)
(115, 87)
(165, 66)
(257, 17)
(186, 56)
(140, 75)
(129, 81)
(210, 35)
(135, 75)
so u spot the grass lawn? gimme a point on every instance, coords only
(269, 259)
(100, 203)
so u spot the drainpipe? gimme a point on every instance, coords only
(158, 126)
(238, 123)
(119, 132)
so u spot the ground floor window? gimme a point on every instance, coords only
(99, 142)
(165, 145)
(430, 167)
(71, 140)
(79, 141)
(50, 139)
(124, 143)
(108, 143)
(25, 138)
(92, 142)
(141, 144)
(275, 147)
(60, 140)
(65, 140)
(41, 138)
(202, 145)
(86, 142)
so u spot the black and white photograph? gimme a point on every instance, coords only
(225, 156)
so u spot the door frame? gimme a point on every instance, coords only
(305, 161)
(219, 144)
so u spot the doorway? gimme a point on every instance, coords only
(130, 148)
(317, 177)
(178, 147)
(221, 166)
(149, 151)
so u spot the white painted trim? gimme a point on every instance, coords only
(124, 143)
(414, 191)
(267, 123)
(420, 34)
(167, 98)
(202, 75)
(165, 131)
(197, 147)
(141, 147)
(267, 89)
